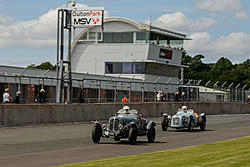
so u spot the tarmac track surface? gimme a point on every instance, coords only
(39, 146)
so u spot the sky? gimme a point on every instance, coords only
(218, 28)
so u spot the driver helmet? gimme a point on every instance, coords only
(126, 109)
(184, 108)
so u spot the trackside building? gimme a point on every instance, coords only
(128, 49)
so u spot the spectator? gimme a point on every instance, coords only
(248, 99)
(158, 96)
(165, 96)
(17, 97)
(183, 98)
(177, 96)
(124, 99)
(6, 96)
(41, 96)
(81, 96)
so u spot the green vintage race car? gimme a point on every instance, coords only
(125, 124)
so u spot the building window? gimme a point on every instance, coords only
(92, 36)
(127, 37)
(161, 69)
(139, 68)
(116, 37)
(109, 68)
(124, 68)
(107, 37)
(117, 68)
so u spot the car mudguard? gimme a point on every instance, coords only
(150, 125)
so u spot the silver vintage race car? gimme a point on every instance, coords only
(125, 124)
(184, 118)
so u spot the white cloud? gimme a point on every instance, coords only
(235, 46)
(37, 34)
(226, 6)
(178, 21)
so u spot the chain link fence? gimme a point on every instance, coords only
(103, 90)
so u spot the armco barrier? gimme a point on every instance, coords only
(31, 114)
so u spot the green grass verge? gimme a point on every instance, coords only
(231, 153)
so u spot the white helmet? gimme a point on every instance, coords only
(126, 108)
(184, 108)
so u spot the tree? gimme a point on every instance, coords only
(46, 65)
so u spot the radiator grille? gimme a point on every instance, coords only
(113, 124)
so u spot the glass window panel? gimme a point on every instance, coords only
(127, 68)
(140, 36)
(139, 68)
(99, 36)
(107, 37)
(117, 68)
(92, 35)
(109, 68)
(117, 37)
(127, 37)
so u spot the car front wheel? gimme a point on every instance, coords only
(132, 135)
(96, 133)
(190, 124)
(151, 135)
(203, 124)
(164, 123)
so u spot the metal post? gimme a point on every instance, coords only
(243, 93)
(19, 77)
(69, 94)
(57, 57)
(43, 78)
(130, 84)
(155, 88)
(207, 83)
(237, 92)
(230, 90)
(182, 75)
(60, 85)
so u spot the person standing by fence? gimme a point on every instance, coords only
(6, 96)
(124, 100)
(17, 97)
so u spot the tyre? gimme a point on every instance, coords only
(203, 124)
(151, 135)
(164, 123)
(132, 135)
(96, 133)
(190, 124)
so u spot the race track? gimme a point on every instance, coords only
(49, 145)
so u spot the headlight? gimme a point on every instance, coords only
(169, 116)
(120, 126)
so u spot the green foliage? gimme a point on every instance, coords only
(223, 70)
(220, 154)
(46, 65)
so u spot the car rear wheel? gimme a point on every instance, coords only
(96, 133)
(132, 135)
(190, 124)
(203, 124)
(164, 123)
(151, 135)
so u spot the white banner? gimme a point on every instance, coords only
(81, 18)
